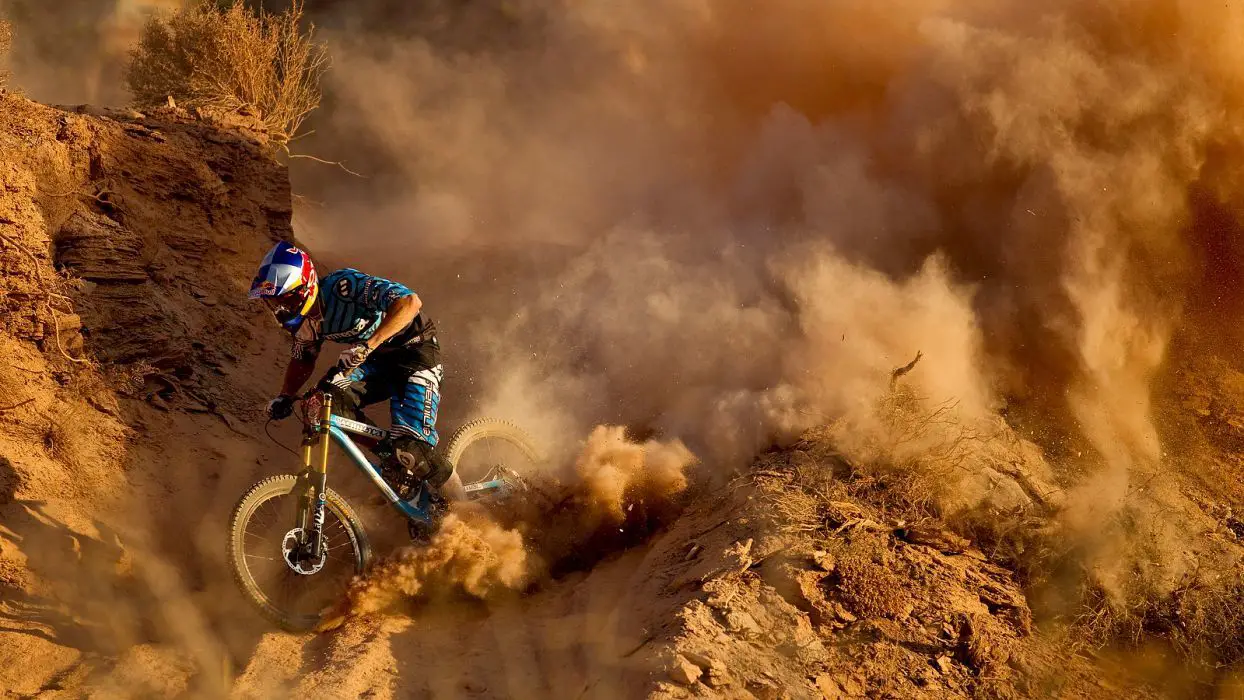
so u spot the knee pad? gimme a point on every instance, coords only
(422, 460)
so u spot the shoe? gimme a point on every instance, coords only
(420, 532)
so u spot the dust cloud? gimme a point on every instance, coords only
(724, 223)
(611, 467)
(73, 51)
(486, 553)
(469, 550)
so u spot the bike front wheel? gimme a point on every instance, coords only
(293, 592)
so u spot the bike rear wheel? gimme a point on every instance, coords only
(262, 522)
(487, 449)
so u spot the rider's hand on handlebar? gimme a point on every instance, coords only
(352, 357)
(281, 407)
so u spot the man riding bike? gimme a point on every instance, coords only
(393, 354)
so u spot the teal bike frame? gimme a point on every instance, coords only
(313, 481)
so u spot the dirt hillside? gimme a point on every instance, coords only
(129, 398)
(124, 244)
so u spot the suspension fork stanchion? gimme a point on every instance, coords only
(307, 498)
(319, 474)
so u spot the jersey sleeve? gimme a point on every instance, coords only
(377, 293)
(307, 341)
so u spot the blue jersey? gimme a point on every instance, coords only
(352, 306)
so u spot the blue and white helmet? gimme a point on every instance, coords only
(287, 283)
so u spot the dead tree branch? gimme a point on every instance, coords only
(899, 372)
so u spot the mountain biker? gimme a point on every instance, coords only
(392, 354)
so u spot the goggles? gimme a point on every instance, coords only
(285, 308)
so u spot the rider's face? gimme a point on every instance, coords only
(284, 307)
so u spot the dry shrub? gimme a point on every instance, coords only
(231, 59)
(1201, 621)
(803, 498)
(932, 440)
(908, 454)
(797, 511)
(1204, 621)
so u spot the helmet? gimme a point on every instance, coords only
(287, 283)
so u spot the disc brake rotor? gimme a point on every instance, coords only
(295, 556)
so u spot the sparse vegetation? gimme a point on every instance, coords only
(230, 59)
(67, 436)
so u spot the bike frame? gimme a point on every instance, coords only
(314, 476)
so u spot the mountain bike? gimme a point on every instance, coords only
(295, 544)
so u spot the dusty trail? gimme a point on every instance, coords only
(558, 643)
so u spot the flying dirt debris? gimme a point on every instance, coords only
(690, 247)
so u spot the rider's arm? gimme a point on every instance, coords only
(297, 374)
(400, 312)
(302, 356)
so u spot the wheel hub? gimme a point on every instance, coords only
(298, 558)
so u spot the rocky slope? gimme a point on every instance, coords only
(133, 374)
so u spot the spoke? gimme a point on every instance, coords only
(283, 588)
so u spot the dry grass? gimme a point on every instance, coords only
(67, 438)
(1201, 621)
(233, 60)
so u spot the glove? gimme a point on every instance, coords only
(281, 407)
(352, 357)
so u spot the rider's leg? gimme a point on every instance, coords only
(360, 388)
(413, 411)
(371, 383)
(422, 461)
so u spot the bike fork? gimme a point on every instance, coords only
(315, 467)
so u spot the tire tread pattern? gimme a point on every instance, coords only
(278, 485)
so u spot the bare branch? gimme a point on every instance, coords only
(337, 163)
(899, 372)
(19, 404)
